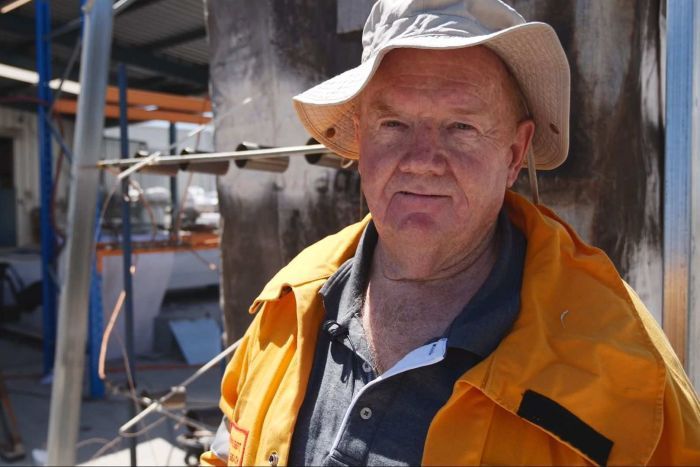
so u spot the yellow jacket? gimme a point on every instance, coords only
(583, 341)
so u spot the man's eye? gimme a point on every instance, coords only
(392, 124)
(462, 126)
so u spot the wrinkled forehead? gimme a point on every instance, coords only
(476, 69)
(478, 56)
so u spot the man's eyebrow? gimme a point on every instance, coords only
(381, 106)
(463, 112)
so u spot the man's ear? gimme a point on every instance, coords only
(524, 132)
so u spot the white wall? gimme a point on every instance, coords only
(21, 126)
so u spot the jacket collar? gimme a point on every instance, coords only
(318, 261)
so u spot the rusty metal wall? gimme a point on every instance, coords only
(264, 52)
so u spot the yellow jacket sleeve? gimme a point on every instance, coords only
(234, 376)
(679, 443)
(680, 438)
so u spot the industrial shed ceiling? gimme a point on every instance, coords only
(162, 42)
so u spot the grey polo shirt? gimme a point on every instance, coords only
(351, 415)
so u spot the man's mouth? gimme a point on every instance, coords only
(423, 195)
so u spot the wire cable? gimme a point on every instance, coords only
(203, 369)
(122, 436)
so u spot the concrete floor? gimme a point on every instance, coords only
(20, 362)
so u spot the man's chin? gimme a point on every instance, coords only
(418, 227)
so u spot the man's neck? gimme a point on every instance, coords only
(407, 303)
(398, 261)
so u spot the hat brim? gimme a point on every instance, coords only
(531, 51)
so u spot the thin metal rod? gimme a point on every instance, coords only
(48, 236)
(59, 139)
(150, 160)
(67, 71)
(172, 142)
(215, 156)
(73, 316)
(178, 418)
(126, 249)
(154, 407)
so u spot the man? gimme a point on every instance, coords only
(461, 324)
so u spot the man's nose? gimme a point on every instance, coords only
(425, 153)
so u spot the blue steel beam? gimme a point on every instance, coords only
(95, 320)
(126, 249)
(95, 308)
(48, 236)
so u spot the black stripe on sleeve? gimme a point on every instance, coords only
(551, 416)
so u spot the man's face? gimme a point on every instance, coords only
(439, 143)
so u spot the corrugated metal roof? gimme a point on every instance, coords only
(166, 18)
(196, 51)
(141, 23)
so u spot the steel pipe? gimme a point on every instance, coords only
(67, 386)
(325, 159)
(168, 170)
(158, 159)
(212, 168)
(272, 164)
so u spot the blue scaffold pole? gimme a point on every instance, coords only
(96, 318)
(126, 248)
(48, 236)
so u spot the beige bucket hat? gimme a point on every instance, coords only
(531, 50)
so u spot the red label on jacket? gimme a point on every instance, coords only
(239, 436)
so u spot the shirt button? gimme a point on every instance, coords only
(366, 367)
(365, 413)
(273, 459)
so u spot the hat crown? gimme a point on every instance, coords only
(393, 19)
